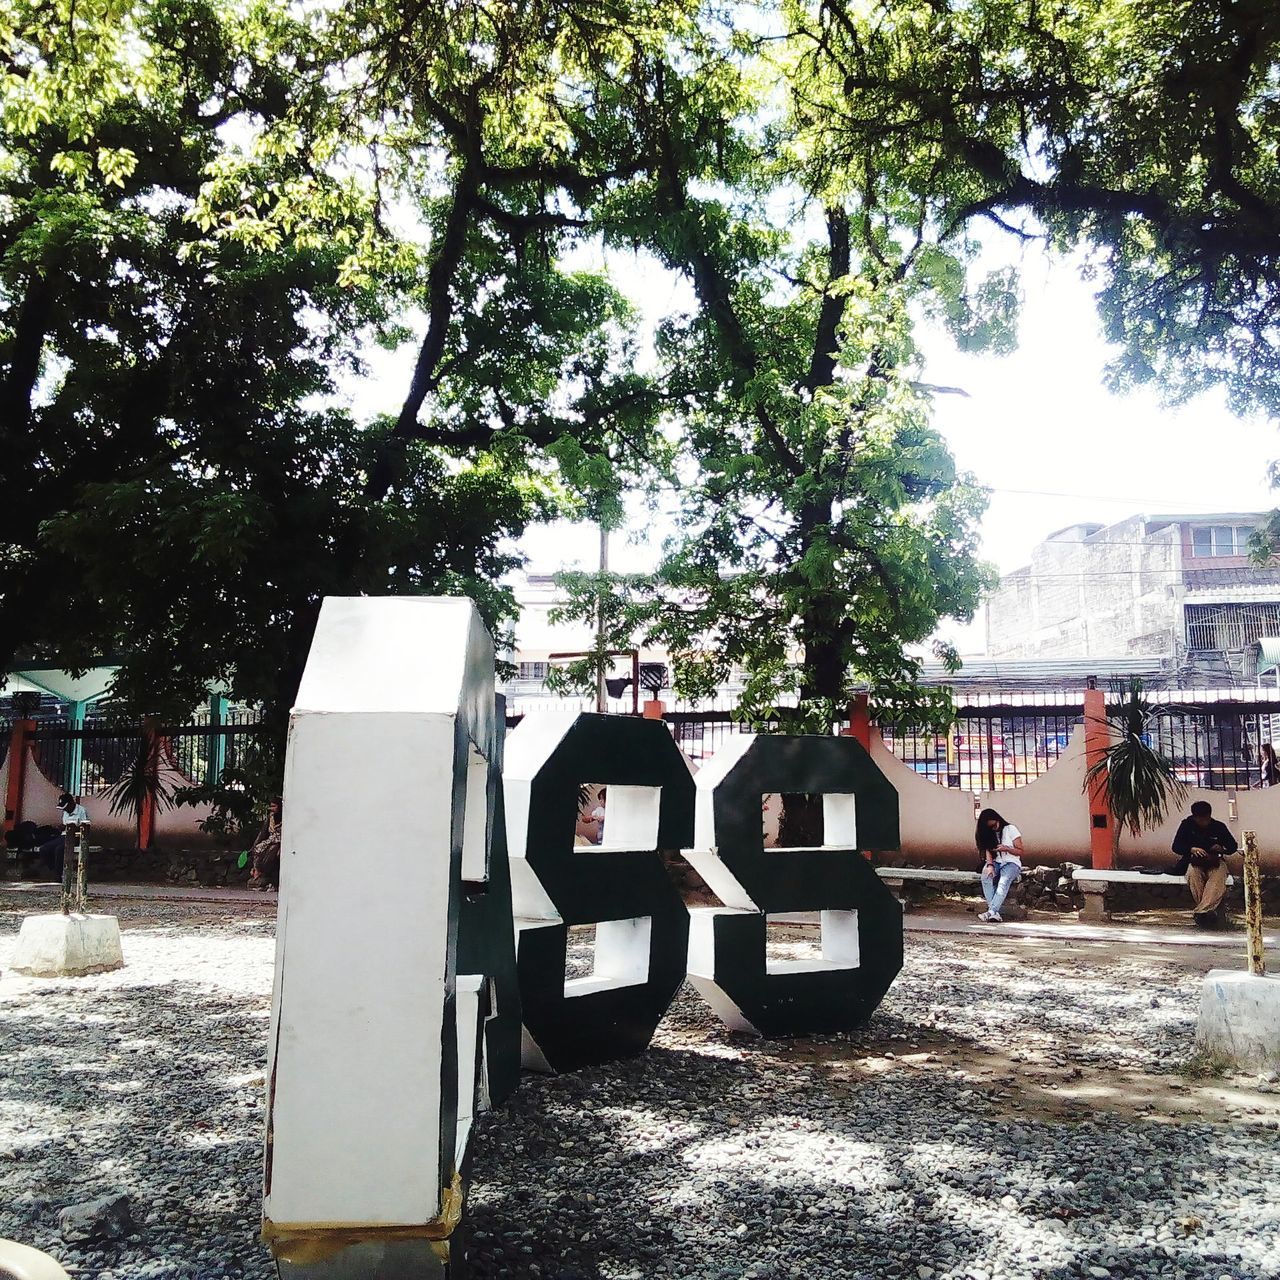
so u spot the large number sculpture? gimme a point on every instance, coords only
(400, 1002)
(861, 920)
(379, 1029)
(642, 927)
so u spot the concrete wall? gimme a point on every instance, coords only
(1257, 811)
(936, 822)
(1053, 811)
(178, 826)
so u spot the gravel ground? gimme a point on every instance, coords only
(1014, 1109)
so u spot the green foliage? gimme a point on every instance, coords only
(141, 782)
(1144, 130)
(822, 523)
(1139, 784)
(240, 797)
(190, 261)
(208, 209)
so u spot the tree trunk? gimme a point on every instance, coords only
(24, 365)
(822, 621)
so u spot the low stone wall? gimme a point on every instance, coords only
(208, 868)
(1048, 888)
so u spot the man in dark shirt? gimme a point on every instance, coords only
(1201, 844)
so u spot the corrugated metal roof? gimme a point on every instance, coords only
(1201, 578)
(1009, 671)
(1261, 657)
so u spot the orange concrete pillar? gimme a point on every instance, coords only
(859, 727)
(18, 739)
(151, 763)
(1097, 737)
(654, 709)
(859, 720)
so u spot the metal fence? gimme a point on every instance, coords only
(1009, 739)
(1228, 627)
(1213, 740)
(201, 750)
(89, 761)
(988, 748)
(700, 733)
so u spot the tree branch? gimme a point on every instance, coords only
(826, 341)
(439, 315)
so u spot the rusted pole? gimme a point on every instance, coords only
(1253, 905)
(75, 840)
(82, 857)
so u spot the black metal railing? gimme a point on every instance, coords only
(988, 748)
(1006, 739)
(90, 760)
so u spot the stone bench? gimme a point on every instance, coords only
(903, 879)
(897, 877)
(1101, 890)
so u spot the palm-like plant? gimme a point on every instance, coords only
(141, 781)
(1139, 784)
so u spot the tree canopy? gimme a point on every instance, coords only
(1147, 130)
(209, 208)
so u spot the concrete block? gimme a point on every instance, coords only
(22, 1262)
(70, 946)
(1240, 1019)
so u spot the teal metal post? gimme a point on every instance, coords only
(75, 750)
(217, 741)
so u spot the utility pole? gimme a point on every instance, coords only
(602, 691)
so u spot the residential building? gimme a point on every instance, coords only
(537, 638)
(1178, 587)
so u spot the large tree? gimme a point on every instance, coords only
(186, 482)
(811, 169)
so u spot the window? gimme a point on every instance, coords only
(1230, 626)
(534, 670)
(1221, 540)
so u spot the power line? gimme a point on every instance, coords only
(1128, 573)
(1172, 503)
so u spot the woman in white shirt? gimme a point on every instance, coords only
(1000, 844)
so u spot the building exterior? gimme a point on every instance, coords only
(1177, 587)
(537, 638)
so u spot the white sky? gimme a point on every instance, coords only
(1039, 427)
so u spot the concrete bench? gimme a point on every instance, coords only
(1099, 889)
(902, 879)
(22, 858)
(896, 877)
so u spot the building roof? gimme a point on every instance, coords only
(1262, 657)
(1231, 577)
(88, 687)
(1205, 517)
(1060, 672)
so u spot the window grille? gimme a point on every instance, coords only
(1230, 626)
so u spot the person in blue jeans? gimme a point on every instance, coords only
(1000, 846)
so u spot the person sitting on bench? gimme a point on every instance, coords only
(1201, 844)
